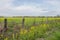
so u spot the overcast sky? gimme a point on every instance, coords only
(29, 7)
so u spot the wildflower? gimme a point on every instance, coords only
(25, 31)
(6, 38)
(1, 35)
(21, 32)
(13, 36)
(16, 35)
(45, 25)
(32, 27)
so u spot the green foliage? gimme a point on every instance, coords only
(46, 28)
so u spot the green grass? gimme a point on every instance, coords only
(44, 28)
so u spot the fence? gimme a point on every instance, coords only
(25, 21)
(28, 22)
(13, 28)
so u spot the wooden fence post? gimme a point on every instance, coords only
(5, 24)
(23, 20)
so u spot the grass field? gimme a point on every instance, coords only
(35, 28)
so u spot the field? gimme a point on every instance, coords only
(31, 28)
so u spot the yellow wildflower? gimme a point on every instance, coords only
(13, 35)
(21, 32)
(45, 25)
(32, 27)
(6, 38)
(16, 35)
(1, 35)
(25, 31)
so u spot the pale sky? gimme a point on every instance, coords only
(29, 7)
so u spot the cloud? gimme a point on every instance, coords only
(8, 10)
(32, 8)
(28, 10)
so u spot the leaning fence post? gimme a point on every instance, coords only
(5, 24)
